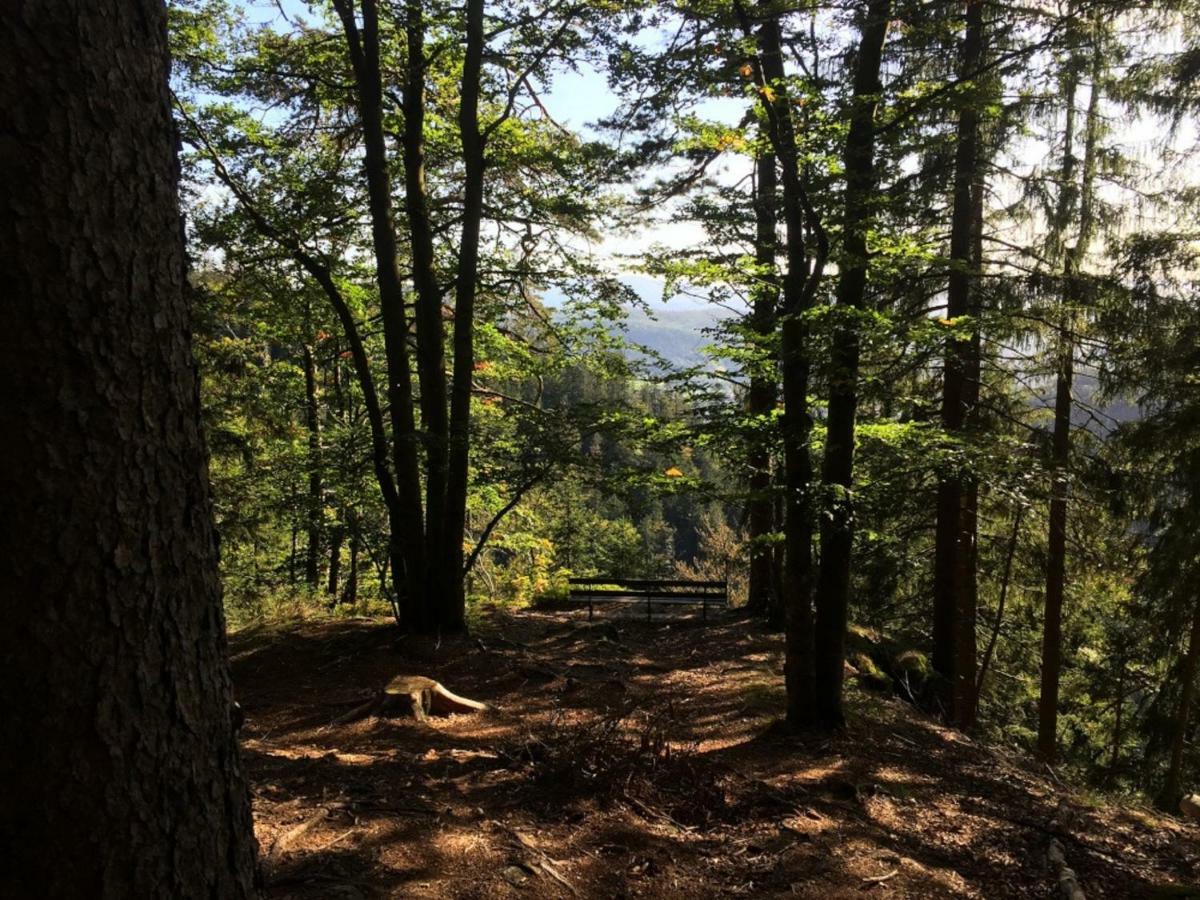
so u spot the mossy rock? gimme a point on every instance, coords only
(911, 671)
(863, 640)
(869, 674)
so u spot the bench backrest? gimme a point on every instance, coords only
(648, 587)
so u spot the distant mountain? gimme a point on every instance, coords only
(676, 333)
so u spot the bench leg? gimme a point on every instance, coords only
(647, 609)
(704, 611)
(589, 610)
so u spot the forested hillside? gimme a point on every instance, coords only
(776, 426)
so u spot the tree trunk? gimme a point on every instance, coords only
(406, 516)
(1005, 579)
(799, 290)
(336, 538)
(431, 339)
(453, 610)
(1168, 797)
(1056, 549)
(316, 501)
(122, 771)
(350, 592)
(954, 538)
(760, 400)
(837, 469)
(1114, 762)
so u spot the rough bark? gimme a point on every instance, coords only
(761, 396)
(431, 339)
(1060, 452)
(837, 468)
(122, 772)
(954, 541)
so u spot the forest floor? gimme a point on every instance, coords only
(625, 759)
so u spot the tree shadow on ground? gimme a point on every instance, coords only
(624, 759)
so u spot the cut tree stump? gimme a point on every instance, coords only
(412, 695)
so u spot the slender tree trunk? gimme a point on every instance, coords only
(762, 393)
(406, 516)
(1056, 549)
(775, 608)
(837, 470)
(122, 773)
(1115, 757)
(953, 544)
(316, 501)
(1005, 579)
(1168, 798)
(350, 592)
(454, 602)
(799, 291)
(968, 577)
(431, 339)
(292, 558)
(336, 539)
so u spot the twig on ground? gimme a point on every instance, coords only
(879, 879)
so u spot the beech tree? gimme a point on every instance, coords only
(123, 776)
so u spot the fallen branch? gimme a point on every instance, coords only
(879, 879)
(285, 841)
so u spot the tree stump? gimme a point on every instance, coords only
(413, 695)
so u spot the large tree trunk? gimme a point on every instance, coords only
(122, 772)
(1056, 549)
(760, 399)
(837, 469)
(953, 648)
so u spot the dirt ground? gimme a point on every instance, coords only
(621, 759)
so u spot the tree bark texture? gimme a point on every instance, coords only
(406, 514)
(799, 289)
(122, 770)
(955, 537)
(453, 603)
(837, 469)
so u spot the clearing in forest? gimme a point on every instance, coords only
(618, 759)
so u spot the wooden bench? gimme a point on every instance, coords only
(648, 591)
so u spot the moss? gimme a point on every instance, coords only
(913, 663)
(869, 674)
